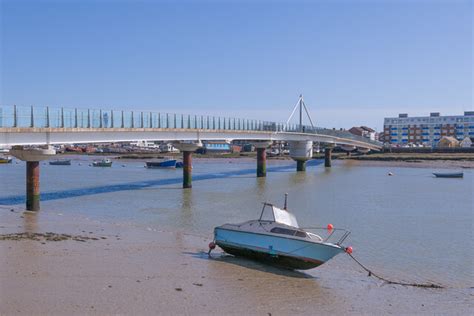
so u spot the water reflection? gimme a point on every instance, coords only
(30, 222)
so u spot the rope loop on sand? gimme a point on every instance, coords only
(423, 285)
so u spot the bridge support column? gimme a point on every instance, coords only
(261, 158)
(301, 152)
(32, 156)
(327, 156)
(32, 186)
(300, 165)
(187, 169)
(261, 162)
(188, 148)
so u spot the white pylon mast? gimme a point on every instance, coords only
(302, 106)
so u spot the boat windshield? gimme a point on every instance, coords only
(286, 231)
(280, 215)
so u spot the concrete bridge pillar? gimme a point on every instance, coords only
(261, 162)
(32, 186)
(187, 169)
(261, 158)
(187, 148)
(301, 152)
(327, 156)
(32, 156)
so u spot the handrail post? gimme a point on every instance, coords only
(88, 118)
(189, 121)
(133, 123)
(159, 120)
(141, 120)
(62, 117)
(151, 120)
(213, 122)
(75, 118)
(195, 122)
(182, 120)
(14, 116)
(167, 121)
(47, 116)
(122, 123)
(32, 122)
(111, 118)
(100, 118)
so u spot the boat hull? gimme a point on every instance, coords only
(449, 175)
(161, 164)
(101, 164)
(290, 253)
(60, 163)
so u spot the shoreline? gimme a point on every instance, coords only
(399, 160)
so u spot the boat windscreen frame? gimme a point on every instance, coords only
(265, 204)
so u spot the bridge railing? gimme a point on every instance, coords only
(54, 117)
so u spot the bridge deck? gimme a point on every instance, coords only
(44, 125)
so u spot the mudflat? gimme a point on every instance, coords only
(63, 264)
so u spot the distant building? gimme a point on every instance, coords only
(448, 142)
(216, 147)
(427, 130)
(466, 143)
(364, 131)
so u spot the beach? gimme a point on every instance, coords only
(135, 270)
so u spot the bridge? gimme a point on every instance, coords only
(30, 132)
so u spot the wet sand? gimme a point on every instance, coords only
(124, 268)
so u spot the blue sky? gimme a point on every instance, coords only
(355, 62)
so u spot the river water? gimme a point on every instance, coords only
(410, 226)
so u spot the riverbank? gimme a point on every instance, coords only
(411, 157)
(135, 269)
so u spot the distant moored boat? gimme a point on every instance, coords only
(448, 174)
(168, 163)
(64, 162)
(5, 159)
(102, 163)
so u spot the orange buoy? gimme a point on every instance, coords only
(348, 250)
(330, 227)
(212, 245)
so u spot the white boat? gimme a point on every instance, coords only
(279, 240)
(102, 163)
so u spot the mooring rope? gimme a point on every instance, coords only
(424, 285)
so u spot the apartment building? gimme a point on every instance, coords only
(427, 130)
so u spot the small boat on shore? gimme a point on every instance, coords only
(279, 240)
(102, 163)
(448, 174)
(59, 162)
(166, 163)
(6, 160)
